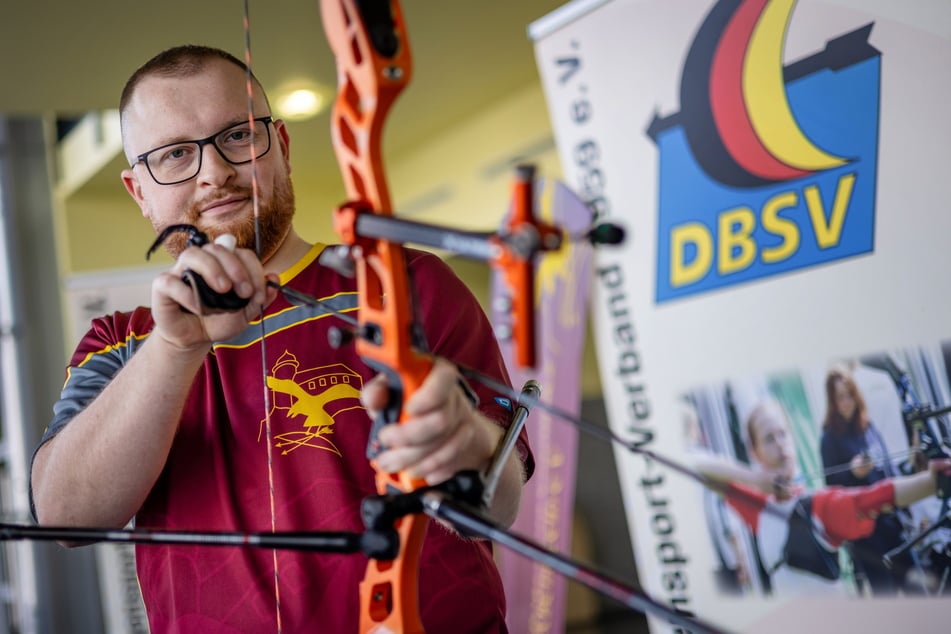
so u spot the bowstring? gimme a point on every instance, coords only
(255, 203)
(812, 478)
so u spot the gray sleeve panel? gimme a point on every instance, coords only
(84, 382)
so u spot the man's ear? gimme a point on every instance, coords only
(284, 142)
(132, 185)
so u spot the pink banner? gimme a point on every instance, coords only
(536, 594)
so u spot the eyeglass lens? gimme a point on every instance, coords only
(182, 161)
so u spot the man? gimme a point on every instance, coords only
(162, 415)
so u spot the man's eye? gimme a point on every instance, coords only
(176, 154)
(236, 136)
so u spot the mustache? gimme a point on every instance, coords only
(195, 208)
(275, 216)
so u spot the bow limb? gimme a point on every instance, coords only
(369, 42)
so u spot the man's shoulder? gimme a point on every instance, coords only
(119, 326)
(138, 319)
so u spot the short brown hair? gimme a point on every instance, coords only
(180, 61)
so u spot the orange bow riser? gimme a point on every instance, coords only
(369, 42)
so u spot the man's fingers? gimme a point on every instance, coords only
(423, 460)
(224, 270)
(374, 395)
(443, 433)
(440, 386)
(257, 289)
(421, 430)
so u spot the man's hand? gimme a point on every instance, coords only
(445, 433)
(223, 270)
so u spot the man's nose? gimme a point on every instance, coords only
(214, 169)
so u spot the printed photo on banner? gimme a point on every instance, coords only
(825, 477)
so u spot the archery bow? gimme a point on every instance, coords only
(370, 44)
(373, 66)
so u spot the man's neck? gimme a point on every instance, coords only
(292, 249)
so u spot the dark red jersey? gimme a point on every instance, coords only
(216, 476)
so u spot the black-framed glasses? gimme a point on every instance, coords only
(178, 162)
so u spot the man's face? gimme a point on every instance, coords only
(772, 444)
(220, 198)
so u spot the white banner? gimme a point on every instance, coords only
(780, 169)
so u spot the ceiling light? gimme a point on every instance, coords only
(299, 104)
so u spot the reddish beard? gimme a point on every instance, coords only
(273, 223)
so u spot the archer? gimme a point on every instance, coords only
(158, 421)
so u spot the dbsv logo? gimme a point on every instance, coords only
(766, 169)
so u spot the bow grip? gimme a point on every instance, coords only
(389, 414)
(401, 385)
